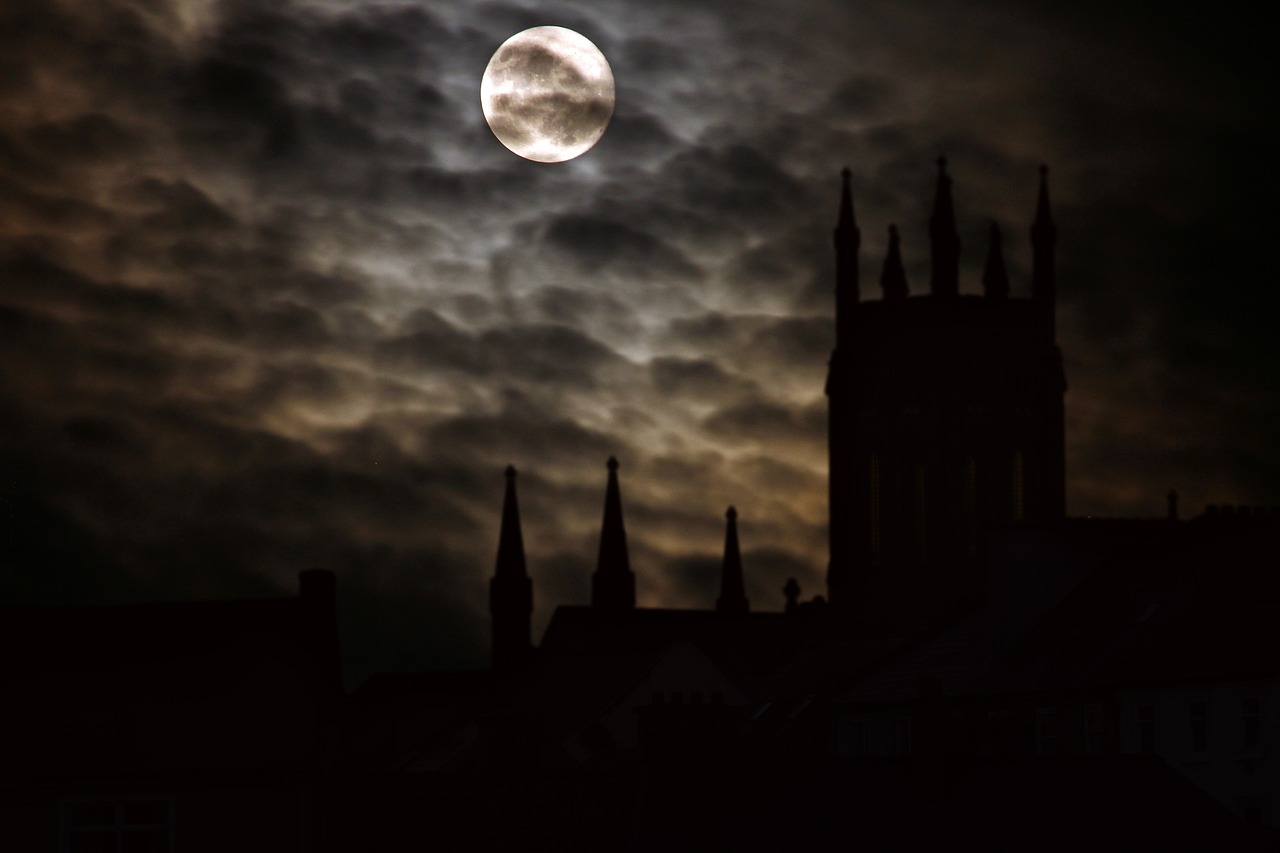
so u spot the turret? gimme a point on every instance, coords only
(848, 240)
(944, 240)
(510, 590)
(733, 596)
(613, 586)
(995, 278)
(1044, 239)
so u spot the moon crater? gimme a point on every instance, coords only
(547, 94)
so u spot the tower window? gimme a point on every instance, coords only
(1146, 729)
(874, 503)
(971, 504)
(1251, 722)
(1046, 731)
(1198, 712)
(920, 508)
(1019, 506)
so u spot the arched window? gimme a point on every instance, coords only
(873, 504)
(920, 510)
(1019, 506)
(971, 504)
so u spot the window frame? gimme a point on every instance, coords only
(67, 827)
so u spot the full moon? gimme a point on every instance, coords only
(547, 94)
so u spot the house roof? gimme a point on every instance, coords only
(124, 688)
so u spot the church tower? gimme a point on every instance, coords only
(945, 415)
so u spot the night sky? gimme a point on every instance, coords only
(273, 297)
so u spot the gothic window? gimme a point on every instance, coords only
(1093, 728)
(1019, 506)
(874, 506)
(1146, 729)
(1198, 717)
(971, 504)
(1046, 731)
(1251, 722)
(920, 510)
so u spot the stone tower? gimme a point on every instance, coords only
(945, 415)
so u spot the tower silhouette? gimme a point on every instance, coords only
(510, 589)
(613, 586)
(733, 595)
(945, 415)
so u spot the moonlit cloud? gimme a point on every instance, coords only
(272, 296)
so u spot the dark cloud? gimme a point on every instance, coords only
(273, 295)
(596, 244)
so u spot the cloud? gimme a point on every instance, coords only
(273, 295)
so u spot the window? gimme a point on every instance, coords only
(971, 504)
(117, 826)
(874, 486)
(920, 508)
(904, 735)
(1018, 496)
(1198, 717)
(854, 737)
(1251, 722)
(1046, 731)
(1146, 729)
(1093, 730)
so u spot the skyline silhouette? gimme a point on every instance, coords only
(272, 297)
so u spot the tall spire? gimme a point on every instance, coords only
(893, 280)
(1044, 238)
(995, 278)
(848, 240)
(945, 250)
(733, 596)
(510, 589)
(613, 586)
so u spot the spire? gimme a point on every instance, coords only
(613, 586)
(848, 240)
(511, 540)
(1044, 238)
(733, 596)
(893, 280)
(995, 278)
(945, 249)
(510, 590)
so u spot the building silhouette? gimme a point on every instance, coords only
(946, 415)
(982, 671)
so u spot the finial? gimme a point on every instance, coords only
(731, 513)
(1044, 171)
(612, 464)
(511, 472)
(846, 174)
(942, 165)
(1173, 505)
(792, 592)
